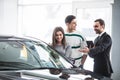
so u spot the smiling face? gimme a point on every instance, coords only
(59, 37)
(72, 25)
(98, 28)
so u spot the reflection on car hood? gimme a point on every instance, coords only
(46, 74)
(10, 77)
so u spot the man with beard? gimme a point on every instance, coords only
(101, 50)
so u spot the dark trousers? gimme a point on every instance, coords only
(108, 75)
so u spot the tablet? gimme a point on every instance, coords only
(90, 44)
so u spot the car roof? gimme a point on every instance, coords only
(19, 38)
(10, 38)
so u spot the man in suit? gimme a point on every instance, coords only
(101, 50)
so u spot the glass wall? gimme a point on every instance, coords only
(39, 19)
(86, 17)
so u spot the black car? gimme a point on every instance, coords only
(33, 59)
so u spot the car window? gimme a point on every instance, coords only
(30, 54)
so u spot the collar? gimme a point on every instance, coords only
(101, 33)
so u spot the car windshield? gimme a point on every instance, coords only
(29, 54)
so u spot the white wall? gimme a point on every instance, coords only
(8, 17)
(116, 40)
(1, 14)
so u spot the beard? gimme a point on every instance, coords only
(97, 31)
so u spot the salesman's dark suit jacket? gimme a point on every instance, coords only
(101, 55)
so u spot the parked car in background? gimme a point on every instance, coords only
(33, 59)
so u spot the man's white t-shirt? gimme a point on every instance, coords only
(76, 40)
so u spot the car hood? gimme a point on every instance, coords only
(47, 75)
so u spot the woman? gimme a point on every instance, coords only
(59, 42)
